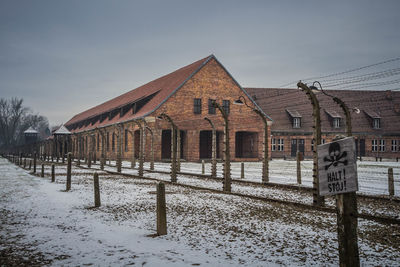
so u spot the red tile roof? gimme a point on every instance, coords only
(162, 87)
(379, 104)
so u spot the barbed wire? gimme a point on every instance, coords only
(342, 72)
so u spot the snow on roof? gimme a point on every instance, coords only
(31, 131)
(62, 130)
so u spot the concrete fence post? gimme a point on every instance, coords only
(68, 183)
(89, 161)
(203, 169)
(102, 163)
(391, 182)
(96, 190)
(242, 170)
(161, 210)
(34, 162)
(53, 173)
(298, 167)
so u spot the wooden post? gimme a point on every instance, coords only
(298, 167)
(203, 169)
(96, 189)
(347, 212)
(34, 162)
(53, 173)
(24, 163)
(42, 172)
(391, 182)
(347, 229)
(30, 164)
(68, 184)
(161, 210)
(242, 170)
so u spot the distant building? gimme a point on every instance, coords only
(186, 95)
(31, 136)
(376, 124)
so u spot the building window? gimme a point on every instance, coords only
(226, 106)
(126, 140)
(211, 108)
(377, 123)
(395, 146)
(197, 106)
(381, 145)
(336, 123)
(296, 122)
(280, 145)
(273, 144)
(374, 145)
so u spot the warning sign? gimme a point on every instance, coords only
(337, 167)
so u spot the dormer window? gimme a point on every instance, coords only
(334, 118)
(376, 123)
(295, 118)
(296, 122)
(336, 123)
(375, 119)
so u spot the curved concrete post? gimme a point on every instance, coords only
(227, 186)
(317, 199)
(173, 146)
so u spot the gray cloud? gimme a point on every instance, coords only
(66, 56)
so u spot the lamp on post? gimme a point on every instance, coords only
(346, 203)
(227, 187)
(265, 173)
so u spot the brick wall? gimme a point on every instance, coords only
(210, 82)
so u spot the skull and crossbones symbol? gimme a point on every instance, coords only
(335, 156)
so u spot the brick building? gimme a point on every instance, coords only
(186, 96)
(376, 125)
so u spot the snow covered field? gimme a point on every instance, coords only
(372, 176)
(43, 225)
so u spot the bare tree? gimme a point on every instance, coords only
(15, 119)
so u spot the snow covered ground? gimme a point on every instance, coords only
(372, 176)
(43, 225)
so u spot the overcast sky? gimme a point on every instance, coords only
(64, 57)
